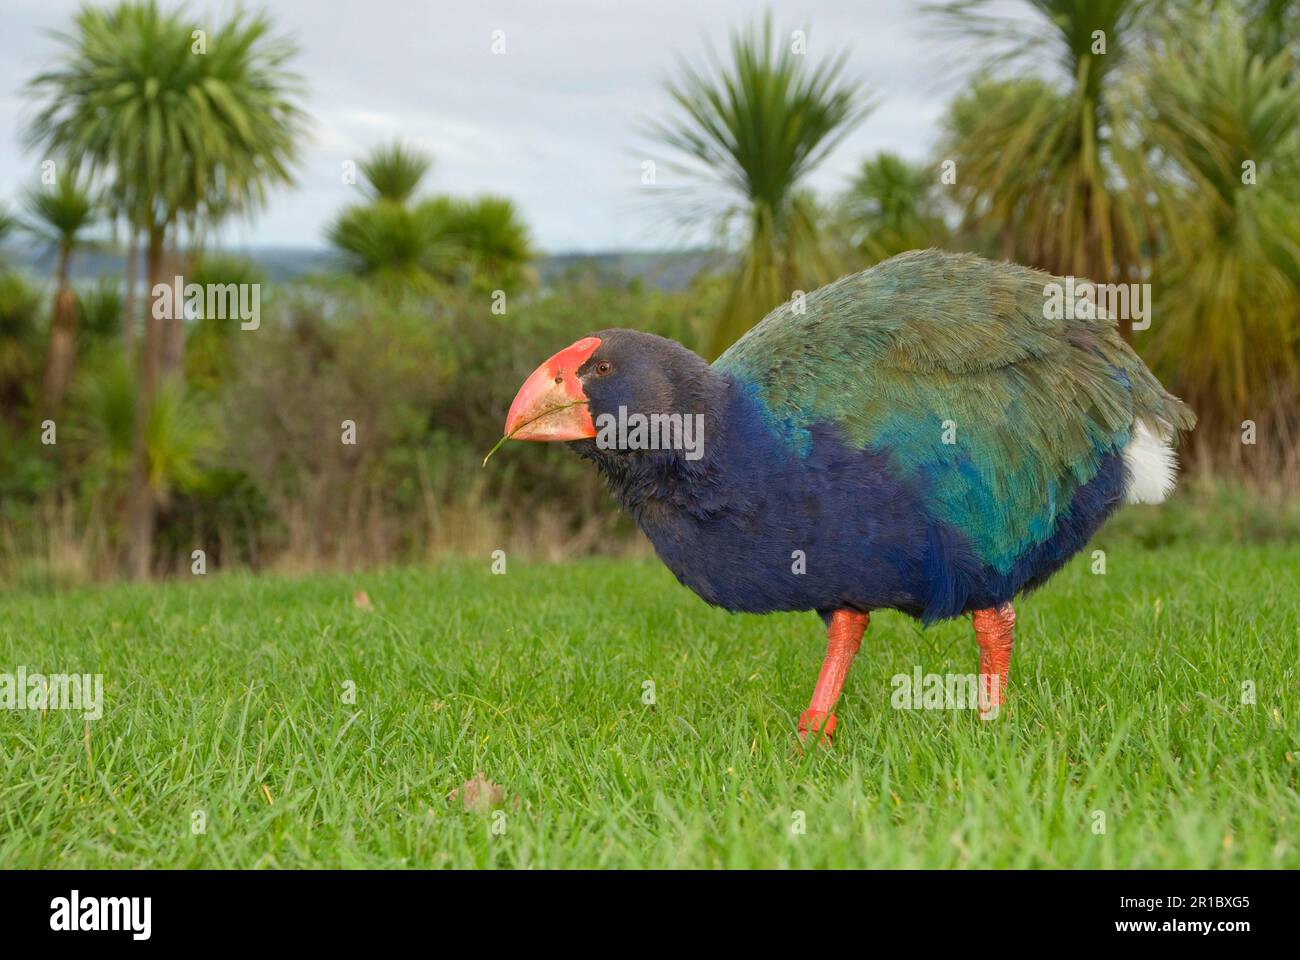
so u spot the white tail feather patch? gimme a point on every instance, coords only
(1152, 465)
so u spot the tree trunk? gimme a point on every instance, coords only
(1008, 243)
(140, 505)
(63, 339)
(128, 303)
(173, 330)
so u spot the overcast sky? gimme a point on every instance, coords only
(554, 123)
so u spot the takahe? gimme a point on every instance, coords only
(929, 436)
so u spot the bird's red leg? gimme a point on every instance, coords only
(993, 629)
(843, 637)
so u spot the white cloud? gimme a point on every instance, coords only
(555, 124)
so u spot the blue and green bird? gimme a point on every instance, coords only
(927, 436)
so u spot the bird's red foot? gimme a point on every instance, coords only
(816, 721)
(843, 637)
(995, 631)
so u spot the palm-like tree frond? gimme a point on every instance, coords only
(406, 244)
(8, 223)
(1039, 162)
(395, 245)
(1223, 120)
(757, 126)
(493, 242)
(394, 172)
(60, 213)
(175, 131)
(890, 208)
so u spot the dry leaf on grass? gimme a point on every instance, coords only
(478, 794)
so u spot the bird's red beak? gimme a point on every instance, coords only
(551, 404)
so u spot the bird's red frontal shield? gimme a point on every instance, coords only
(551, 404)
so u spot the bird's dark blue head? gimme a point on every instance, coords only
(599, 391)
(644, 373)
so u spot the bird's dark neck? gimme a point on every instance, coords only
(698, 482)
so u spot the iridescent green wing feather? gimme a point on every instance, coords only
(954, 366)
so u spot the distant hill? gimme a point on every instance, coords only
(668, 271)
(661, 271)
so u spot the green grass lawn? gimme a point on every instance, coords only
(228, 695)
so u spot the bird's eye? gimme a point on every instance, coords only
(603, 368)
